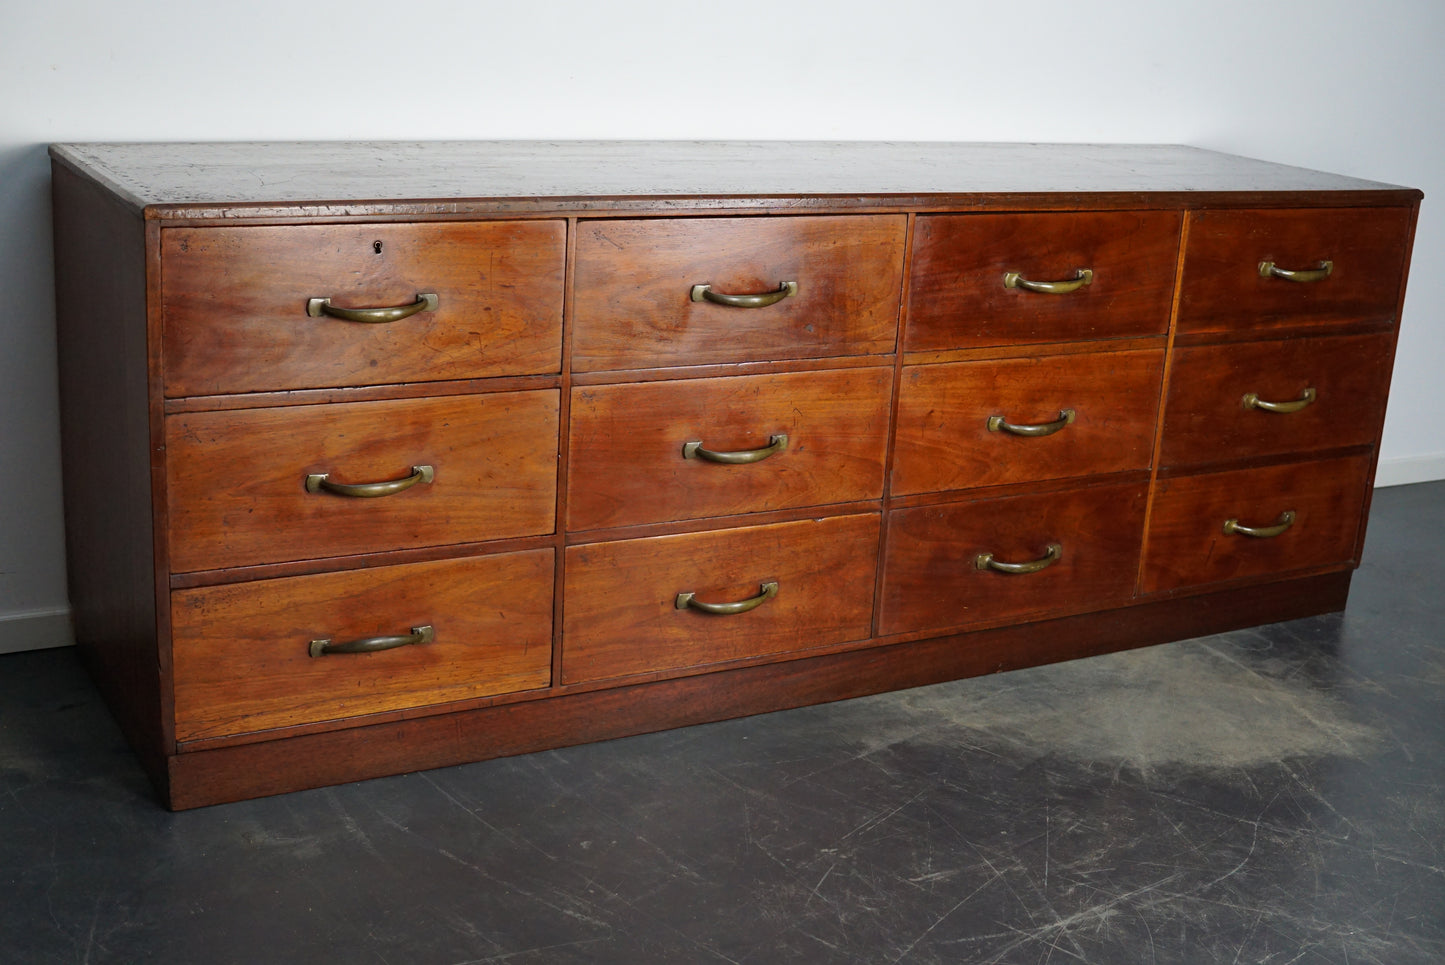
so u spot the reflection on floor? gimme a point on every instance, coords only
(1272, 795)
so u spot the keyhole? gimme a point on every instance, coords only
(376, 247)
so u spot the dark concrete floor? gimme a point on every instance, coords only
(1272, 795)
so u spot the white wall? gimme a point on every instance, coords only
(1343, 85)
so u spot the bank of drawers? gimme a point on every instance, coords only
(1256, 377)
(256, 482)
(719, 450)
(1028, 472)
(716, 508)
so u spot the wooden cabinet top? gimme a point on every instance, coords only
(456, 178)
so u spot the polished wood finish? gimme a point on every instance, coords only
(562, 523)
(235, 304)
(943, 436)
(957, 297)
(622, 617)
(578, 716)
(931, 580)
(1222, 290)
(634, 280)
(627, 465)
(243, 663)
(1188, 545)
(237, 479)
(1206, 419)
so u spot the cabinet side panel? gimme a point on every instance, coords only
(100, 279)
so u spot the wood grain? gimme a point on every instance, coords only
(235, 304)
(194, 408)
(272, 767)
(930, 581)
(1205, 419)
(627, 467)
(621, 616)
(452, 178)
(237, 479)
(957, 299)
(1221, 288)
(105, 418)
(1187, 545)
(634, 278)
(243, 663)
(943, 441)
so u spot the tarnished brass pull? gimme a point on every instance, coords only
(985, 561)
(1285, 521)
(319, 482)
(427, 302)
(1253, 401)
(322, 648)
(997, 423)
(704, 293)
(694, 450)
(1268, 269)
(690, 600)
(1082, 277)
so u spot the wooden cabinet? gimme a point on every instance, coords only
(379, 459)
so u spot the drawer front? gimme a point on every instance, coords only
(622, 613)
(1223, 289)
(1188, 544)
(242, 653)
(945, 414)
(634, 283)
(238, 480)
(235, 304)
(958, 298)
(933, 577)
(817, 438)
(1262, 398)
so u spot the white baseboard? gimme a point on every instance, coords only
(1410, 469)
(35, 630)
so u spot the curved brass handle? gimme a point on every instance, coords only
(318, 482)
(694, 450)
(985, 561)
(321, 648)
(997, 423)
(704, 293)
(1253, 401)
(1082, 277)
(1286, 520)
(1268, 269)
(426, 302)
(690, 600)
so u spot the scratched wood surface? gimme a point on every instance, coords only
(221, 180)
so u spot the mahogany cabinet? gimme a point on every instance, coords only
(380, 457)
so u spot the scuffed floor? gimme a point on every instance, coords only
(1270, 796)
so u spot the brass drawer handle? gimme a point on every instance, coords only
(694, 450)
(985, 561)
(427, 302)
(704, 293)
(322, 648)
(997, 423)
(690, 600)
(318, 482)
(1286, 520)
(1082, 277)
(1268, 269)
(1253, 401)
